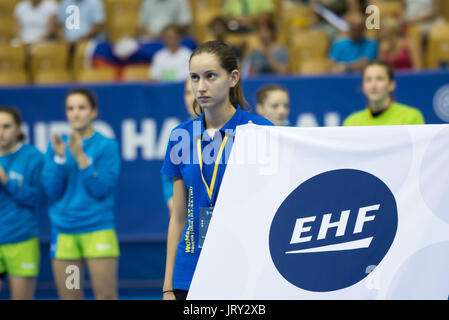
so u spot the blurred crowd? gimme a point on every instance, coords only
(54, 41)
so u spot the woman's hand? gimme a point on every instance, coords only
(58, 145)
(76, 148)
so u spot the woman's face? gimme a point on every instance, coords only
(9, 131)
(376, 84)
(210, 82)
(275, 107)
(79, 112)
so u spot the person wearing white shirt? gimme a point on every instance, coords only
(171, 63)
(35, 20)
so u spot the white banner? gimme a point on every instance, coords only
(330, 213)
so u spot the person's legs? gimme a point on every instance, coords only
(22, 288)
(21, 262)
(101, 251)
(68, 275)
(103, 277)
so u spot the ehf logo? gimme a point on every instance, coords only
(331, 228)
(441, 103)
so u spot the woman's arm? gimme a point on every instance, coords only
(175, 229)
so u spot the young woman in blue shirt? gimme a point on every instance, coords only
(197, 174)
(21, 196)
(80, 176)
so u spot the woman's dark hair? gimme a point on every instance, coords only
(388, 67)
(262, 93)
(15, 114)
(229, 62)
(85, 92)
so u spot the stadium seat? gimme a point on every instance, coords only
(313, 66)
(7, 9)
(97, 75)
(12, 58)
(437, 53)
(49, 56)
(307, 45)
(122, 26)
(389, 8)
(52, 77)
(6, 34)
(79, 57)
(202, 19)
(121, 18)
(294, 19)
(136, 73)
(13, 78)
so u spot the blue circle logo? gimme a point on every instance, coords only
(333, 229)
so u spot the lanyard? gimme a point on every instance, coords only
(210, 189)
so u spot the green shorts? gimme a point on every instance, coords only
(97, 244)
(20, 259)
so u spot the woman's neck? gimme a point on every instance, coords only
(380, 105)
(11, 149)
(215, 118)
(86, 132)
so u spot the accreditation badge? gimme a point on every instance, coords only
(205, 216)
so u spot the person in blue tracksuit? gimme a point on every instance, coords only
(196, 158)
(21, 196)
(80, 176)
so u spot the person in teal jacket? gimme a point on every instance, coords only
(21, 196)
(80, 176)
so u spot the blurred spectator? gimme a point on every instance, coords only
(340, 8)
(244, 14)
(91, 19)
(423, 14)
(268, 57)
(273, 103)
(354, 52)
(396, 49)
(171, 63)
(155, 15)
(219, 29)
(35, 21)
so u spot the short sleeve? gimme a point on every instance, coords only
(173, 155)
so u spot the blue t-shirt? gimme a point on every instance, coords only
(347, 51)
(83, 200)
(181, 161)
(89, 13)
(22, 196)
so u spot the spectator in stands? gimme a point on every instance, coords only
(219, 29)
(354, 52)
(155, 15)
(268, 57)
(273, 103)
(91, 16)
(378, 86)
(171, 63)
(245, 14)
(396, 49)
(423, 14)
(35, 21)
(340, 8)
